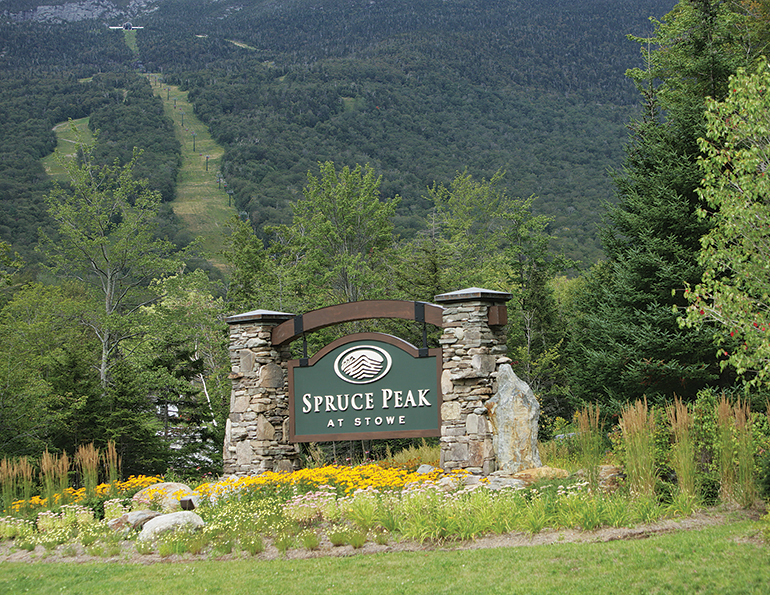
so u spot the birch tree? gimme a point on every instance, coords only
(105, 224)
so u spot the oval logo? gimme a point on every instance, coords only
(362, 364)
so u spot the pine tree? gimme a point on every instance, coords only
(626, 340)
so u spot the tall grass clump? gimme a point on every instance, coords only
(412, 457)
(746, 486)
(62, 474)
(112, 465)
(563, 450)
(682, 456)
(25, 473)
(8, 473)
(590, 442)
(725, 449)
(87, 461)
(763, 468)
(638, 427)
(48, 476)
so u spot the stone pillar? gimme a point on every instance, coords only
(257, 431)
(474, 345)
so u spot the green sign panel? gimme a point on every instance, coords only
(365, 386)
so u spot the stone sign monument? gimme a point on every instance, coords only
(378, 386)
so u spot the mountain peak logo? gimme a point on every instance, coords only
(362, 364)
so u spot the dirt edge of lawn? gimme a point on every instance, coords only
(75, 553)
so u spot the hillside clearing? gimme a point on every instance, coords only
(201, 201)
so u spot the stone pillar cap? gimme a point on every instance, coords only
(259, 316)
(474, 294)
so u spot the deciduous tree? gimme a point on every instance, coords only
(735, 287)
(105, 224)
(341, 237)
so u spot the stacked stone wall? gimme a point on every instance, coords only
(258, 426)
(472, 352)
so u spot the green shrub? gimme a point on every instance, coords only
(763, 475)
(284, 543)
(356, 538)
(310, 540)
(338, 536)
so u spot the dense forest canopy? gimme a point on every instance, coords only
(420, 91)
(485, 141)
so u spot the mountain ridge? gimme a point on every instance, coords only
(420, 90)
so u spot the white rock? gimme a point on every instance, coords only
(170, 522)
(133, 520)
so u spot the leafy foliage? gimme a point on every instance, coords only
(734, 288)
(105, 240)
(340, 236)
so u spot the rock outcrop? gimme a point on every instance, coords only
(514, 414)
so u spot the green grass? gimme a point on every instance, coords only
(67, 139)
(200, 203)
(712, 560)
(130, 38)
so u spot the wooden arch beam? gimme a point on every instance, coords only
(323, 317)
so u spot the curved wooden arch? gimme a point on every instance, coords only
(352, 311)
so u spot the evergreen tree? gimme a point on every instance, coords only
(251, 279)
(626, 340)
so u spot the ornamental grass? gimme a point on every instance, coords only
(746, 486)
(87, 461)
(591, 442)
(682, 454)
(638, 426)
(725, 448)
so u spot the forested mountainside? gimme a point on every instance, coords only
(418, 90)
(312, 103)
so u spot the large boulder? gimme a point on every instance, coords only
(135, 519)
(514, 414)
(174, 521)
(167, 495)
